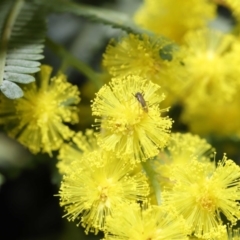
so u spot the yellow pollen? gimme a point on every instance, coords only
(207, 203)
(103, 194)
(44, 106)
(103, 197)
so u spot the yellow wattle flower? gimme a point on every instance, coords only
(129, 118)
(37, 119)
(182, 146)
(69, 152)
(130, 222)
(92, 191)
(207, 57)
(135, 55)
(181, 149)
(172, 18)
(143, 56)
(200, 195)
(213, 84)
(208, 119)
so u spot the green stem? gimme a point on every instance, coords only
(69, 59)
(6, 34)
(153, 180)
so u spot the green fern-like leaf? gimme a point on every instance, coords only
(22, 34)
(109, 17)
(100, 15)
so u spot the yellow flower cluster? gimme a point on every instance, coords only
(101, 170)
(96, 185)
(149, 58)
(138, 56)
(213, 83)
(153, 222)
(172, 18)
(220, 119)
(200, 195)
(181, 149)
(132, 178)
(37, 119)
(206, 54)
(129, 118)
(80, 145)
(101, 192)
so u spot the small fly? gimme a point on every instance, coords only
(141, 100)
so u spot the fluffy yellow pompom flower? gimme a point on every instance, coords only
(36, 119)
(91, 191)
(155, 223)
(214, 92)
(211, 77)
(200, 195)
(182, 146)
(181, 149)
(211, 117)
(135, 55)
(144, 56)
(131, 124)
(69, 152)
(173, 18)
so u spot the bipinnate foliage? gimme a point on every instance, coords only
(22, 34)
(100, 15)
